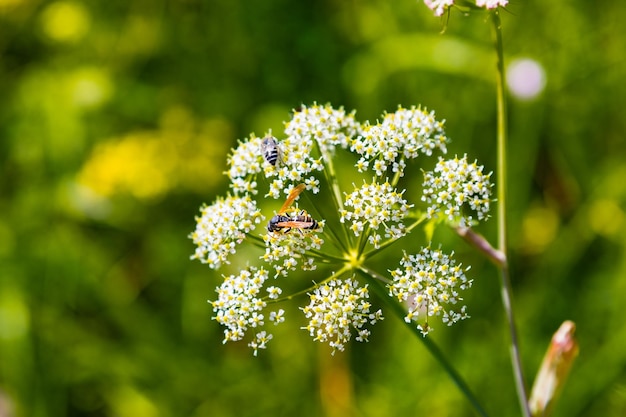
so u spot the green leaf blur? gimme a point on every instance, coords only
(115, 122)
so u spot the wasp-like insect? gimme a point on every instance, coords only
(270, 150)
(285, 222)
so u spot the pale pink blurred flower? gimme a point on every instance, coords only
(438, 6)
(491, 4)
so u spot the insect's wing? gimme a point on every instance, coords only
(293, 194)
(294, 225)
(267, 144)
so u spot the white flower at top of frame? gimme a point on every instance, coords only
(222, 226)
(438, 6)
(491, 4)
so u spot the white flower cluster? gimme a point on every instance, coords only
(323, 125)
(239, 306)
(402, 135)
(454, 185)
(335, 308)
(221, 226)
(428, 283)
(372, 206)
(244, 165)
(284, 250)
(312, 133)
(375, 212)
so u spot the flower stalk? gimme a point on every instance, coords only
(506, 292)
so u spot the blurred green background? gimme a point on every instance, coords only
(115, 121)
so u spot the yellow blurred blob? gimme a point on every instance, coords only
(539, 228)
(606, 217)
(6, 5)
(145, 33)
(126, 401)
(89, 87)
(181, 155)
(14, 315)
(65, 21)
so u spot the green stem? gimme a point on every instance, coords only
(331, 178)
(480, 243)
(314, 253)
(337, 274)
(390, 242)
(506, 292)
(256, 240)
(377, 281)
(336, 239)
(396, 177)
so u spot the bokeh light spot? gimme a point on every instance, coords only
(540, 226)
(526, 78)
(65, 21)
(184, 154)
(606, 217)
(14, 316)
(89, 87)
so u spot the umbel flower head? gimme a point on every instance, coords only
(222, 226)
(428, 283)
(321, 239)
(457, 190)
(335, 308)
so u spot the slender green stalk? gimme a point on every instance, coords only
(377, 282)
(391, 241)
(337, 274)
(397, 176)
(481, 244)
(331, 178)
(256, 240)
(506, 292)
(321, 256)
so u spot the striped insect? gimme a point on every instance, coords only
(284, 222)
(271, 150)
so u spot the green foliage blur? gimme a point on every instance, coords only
(116, 118)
